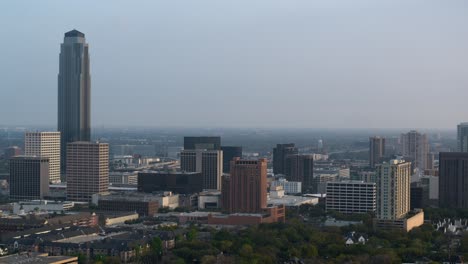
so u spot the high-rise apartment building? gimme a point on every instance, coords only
(29, 178)
(351, 197)
(74, 91)
(462, 137)
(209, 143)
(208, 162)
(300, 168)
(245, 190)
(229, 153)
(45, 144)
(87, 170)
(415, 146)
(453, 179)
(393, 189)
(376, 150)
(280, 152)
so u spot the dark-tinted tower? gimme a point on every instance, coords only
(279, 157)
(74, 92)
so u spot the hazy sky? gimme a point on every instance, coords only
(246, 63)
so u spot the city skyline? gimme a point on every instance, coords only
(282, 63)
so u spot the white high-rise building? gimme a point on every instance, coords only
(46, 145)
(350, 197)
(393, 189)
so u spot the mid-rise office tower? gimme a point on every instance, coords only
(300, 168)
(87, 170)
(209, 143)
(453, 179)
(45, 144)
(74, 92)
(416, 147)
(229, 153)
(376, 150)
(279, 157)
(29, 177)
(393, 189)
(462, 137)
(245, 190)
(208, 162)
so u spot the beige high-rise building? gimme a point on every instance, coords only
(87, 170)
(208, 162)
(46, 145)
(415, 146)
(393, 189)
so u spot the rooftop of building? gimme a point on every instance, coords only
(289, 200)
(134, 196)
(37, 258)
(74, 33)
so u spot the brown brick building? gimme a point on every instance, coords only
(245, 190)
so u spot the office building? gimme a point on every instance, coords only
(245, 190)
(453, 179)
(393, 189)
(229, 153)
(462, 137)
(87, 170)
(177, 182)
(416, 147)
(209, 143)
(143, 204)
(376, 150)
(29, 178)
(289, 187)
(11, 152)
(300, 168)
(47, 145)
(208, 162)
(351, 197)
(280, 152)
(74, 92)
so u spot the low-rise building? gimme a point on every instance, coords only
(271, 214)
(25, 207)
(143, 204)
(209, 200)
(411, 220)
(289, 187)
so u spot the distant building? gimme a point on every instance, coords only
(74, 92)
(125, 178)
(87, 170)
(209, 200)
(29, 178)
(289, 187)
(272, 214)
(278, 198)
(245, 190)
(393, 189)
(367, 176)
(319, 184)
(350, 197)
(415, 146)
(143, 204)
(376, 150)
(280, 152)
(453, 179)
(230, 152)
(462, 137)
(208, 162)
(11, 152)
(47, 145)
(209, 143)
(178, 182)
(300, 168)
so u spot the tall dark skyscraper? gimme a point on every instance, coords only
(230, 152)
(376, 150)
(453, 179)
(74, 92)
(208, 143)
(300, 168)
(279, 157)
